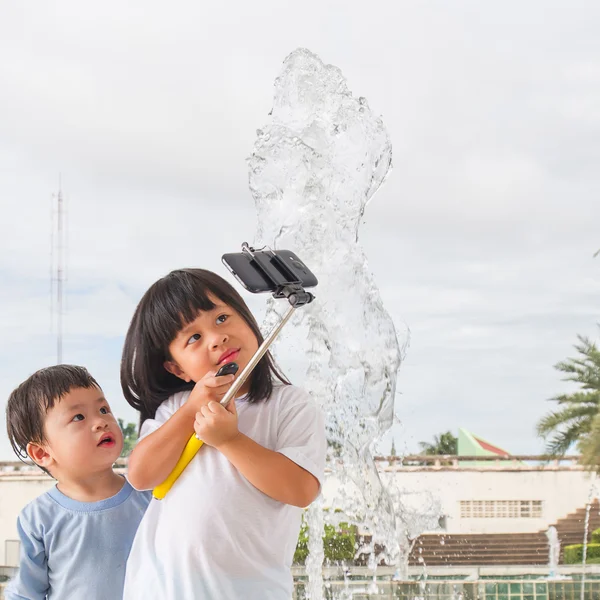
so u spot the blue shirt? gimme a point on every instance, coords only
(73, 550)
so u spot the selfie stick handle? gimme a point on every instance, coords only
(194, 443)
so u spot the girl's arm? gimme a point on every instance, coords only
(271, 472)
(155, 456)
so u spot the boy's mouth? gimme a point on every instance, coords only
(107, 440)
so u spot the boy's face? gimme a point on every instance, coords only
(82, 435)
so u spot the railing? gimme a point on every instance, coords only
(433, 461)
(454, 461)
(28, 467)
(485, 589)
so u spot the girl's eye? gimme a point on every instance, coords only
(104, 410)
(222, 318)
(194, 338)
(78, 417)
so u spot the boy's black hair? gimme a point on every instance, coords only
(29, 403)
(168, 306)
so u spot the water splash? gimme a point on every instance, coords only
(586, 527)
(313, 170)
(553, 551)
(416, 513)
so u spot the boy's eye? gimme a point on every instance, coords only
(222, 318)
(104, 410)
(194, 338)
(78, 417)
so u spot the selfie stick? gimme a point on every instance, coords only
(296, 296)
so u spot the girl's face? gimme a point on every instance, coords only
(215, 338)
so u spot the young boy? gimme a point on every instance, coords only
(75, 538)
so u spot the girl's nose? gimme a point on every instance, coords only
(219, 339)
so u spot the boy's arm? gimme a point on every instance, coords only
(31, 582)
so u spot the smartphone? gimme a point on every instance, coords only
(268, 270)
(228, 369)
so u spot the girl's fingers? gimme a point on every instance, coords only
(212, 408)
(216, 407)
(217, 382)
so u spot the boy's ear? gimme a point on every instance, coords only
(39, 455)
(174, 368)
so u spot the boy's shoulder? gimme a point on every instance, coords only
(141, 497)
(52, 503)
(39, 511)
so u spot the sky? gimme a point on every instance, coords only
(481, 241)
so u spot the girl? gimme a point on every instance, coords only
(228, 527)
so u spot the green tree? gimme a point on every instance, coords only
(444, 443)
(339, 544)
(577, 419)
(130, 437)
(393, 448)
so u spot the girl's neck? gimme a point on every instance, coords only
(92, 488)
(244, 389)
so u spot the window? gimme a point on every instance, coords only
(465, 510)
(500, 509)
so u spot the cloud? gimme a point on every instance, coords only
(481, 241)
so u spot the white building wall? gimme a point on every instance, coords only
(561, 491)
(15, 492)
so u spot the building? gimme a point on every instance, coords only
(482, 501)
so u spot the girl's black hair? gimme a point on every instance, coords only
(169, 305)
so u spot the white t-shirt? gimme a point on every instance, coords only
(215, 536)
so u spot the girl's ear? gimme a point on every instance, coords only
(39, 455)
(175, 370)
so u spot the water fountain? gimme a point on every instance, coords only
(315, 166)
(593, 492)
(313, 170)
(553, 551)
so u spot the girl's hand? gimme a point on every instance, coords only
(209, 389)
(216, 425)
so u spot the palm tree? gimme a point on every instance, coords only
(444, 443)
(577, 420)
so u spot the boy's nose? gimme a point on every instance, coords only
(100, 424)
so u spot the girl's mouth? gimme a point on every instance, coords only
(229, 356)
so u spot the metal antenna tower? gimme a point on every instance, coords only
(58, 267)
